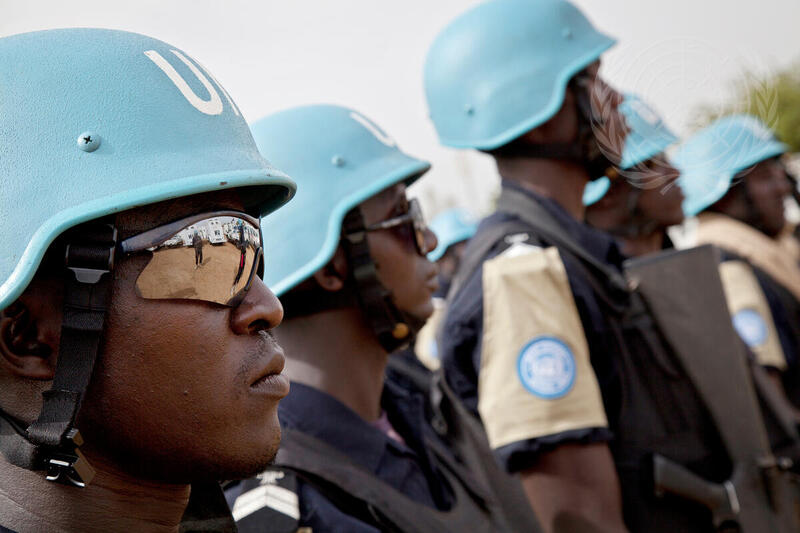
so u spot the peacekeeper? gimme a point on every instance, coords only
(132, 380)
(639, 203)
(735, 186)
(579, 390)
(789, 238)
(643, 199)
(453, 228)
(358, 453)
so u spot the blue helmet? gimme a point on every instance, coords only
(711, 158)
(99, 121)
(647, 137)
(502, 68)
(451, 227)
(595, 190)
(339, 158)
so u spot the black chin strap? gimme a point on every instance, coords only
(51, 442)
(636, 224)
(753, 217)
(393, 328)
(584, 151)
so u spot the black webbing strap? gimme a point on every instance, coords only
(390, 326)
(475, 253)
(17, 450)
(532, 213)
(360, 493)
(87, 288)
(207, 511)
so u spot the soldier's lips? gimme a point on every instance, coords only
(270, 381)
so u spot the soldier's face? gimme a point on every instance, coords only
(767, 187)
(662, 198)
(410, 277)
(176, 395)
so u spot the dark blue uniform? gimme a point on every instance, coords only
(408, 467)
(559, 353)
(463, 330)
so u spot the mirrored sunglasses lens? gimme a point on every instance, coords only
(419, 227)
(211, 260)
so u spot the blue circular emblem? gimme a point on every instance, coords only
(433, 348)
(546, 367)
(751, 327)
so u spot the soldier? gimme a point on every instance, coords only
(643, 200)
(583, 384)
(360, 453)
(453, 228)
(130, 381)
(735, 185)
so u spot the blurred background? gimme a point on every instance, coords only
(691, 59)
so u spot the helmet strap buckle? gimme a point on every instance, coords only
(389, 324)
(70, 467)
(87, 290)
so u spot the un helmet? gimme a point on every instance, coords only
(339, 158)
(451, 227)
(647, 137)
(712, 157)
(98, 121)
(502, 68)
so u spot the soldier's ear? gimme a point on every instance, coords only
(28, 339)
(333, 275)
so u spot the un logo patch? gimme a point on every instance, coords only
(546, 367)
(751, 327)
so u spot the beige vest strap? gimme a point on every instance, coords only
(788, 240)
(535, 378)
(751, 244)
(426, 347)
(750, 312)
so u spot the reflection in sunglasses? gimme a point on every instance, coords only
(210, 260)
(413, 220)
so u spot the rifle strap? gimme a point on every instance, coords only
(705, 342)
(533, 217)
(360, 493)
(532, 213)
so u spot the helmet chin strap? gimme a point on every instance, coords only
(393, 328)
(753, 216)
(584, 150)
(52, 442)
(636, 223)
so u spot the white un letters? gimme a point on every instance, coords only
(212, 106)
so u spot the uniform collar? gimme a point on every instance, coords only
(601, 245)
(320, 415)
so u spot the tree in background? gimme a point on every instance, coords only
(774, 99)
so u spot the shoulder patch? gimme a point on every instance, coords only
(270, 498)
(546, 367)
(518, 245)
(751, 327)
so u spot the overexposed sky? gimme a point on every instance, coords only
(368, 54)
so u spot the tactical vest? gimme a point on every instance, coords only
(485, 499)
(359, 493)
(467, 441)
(655, 410)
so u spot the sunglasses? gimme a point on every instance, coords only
(211, 257)
(412, 220)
